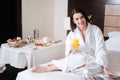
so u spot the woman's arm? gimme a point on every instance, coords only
(68, 44)
(101, 55)
(100, 51)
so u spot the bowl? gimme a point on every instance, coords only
(16, 43)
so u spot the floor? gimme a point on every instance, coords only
(10, 73)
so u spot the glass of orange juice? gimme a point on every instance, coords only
(75, 43)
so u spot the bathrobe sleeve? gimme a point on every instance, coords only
(100, 51)
(68, 43)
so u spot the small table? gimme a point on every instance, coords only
(30, 55)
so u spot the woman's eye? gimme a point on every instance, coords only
(77, 18)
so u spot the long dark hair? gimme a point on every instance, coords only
(74, 11)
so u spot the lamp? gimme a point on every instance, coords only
(67, 26)
(67, 23)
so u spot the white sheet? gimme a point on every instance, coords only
(114, 61)
(56, 75)
(28, 75)
(113, 48)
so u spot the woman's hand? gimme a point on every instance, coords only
(110, 74)
(72, 48)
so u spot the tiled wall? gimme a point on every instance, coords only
(112, 18)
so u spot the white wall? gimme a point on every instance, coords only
(61, 8)
(45, 15)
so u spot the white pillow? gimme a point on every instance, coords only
(113, 43)
(114, 34)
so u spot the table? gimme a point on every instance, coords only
(30, 55)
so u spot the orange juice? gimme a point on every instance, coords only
(75, 44)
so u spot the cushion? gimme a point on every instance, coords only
(114, 34)
(113, 43)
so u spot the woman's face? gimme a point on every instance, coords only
(79, 20)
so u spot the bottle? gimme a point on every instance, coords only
(36, 34)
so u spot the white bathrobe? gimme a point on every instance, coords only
(92, 50)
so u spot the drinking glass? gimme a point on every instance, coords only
(75, 43)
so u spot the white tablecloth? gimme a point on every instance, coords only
(30, 55)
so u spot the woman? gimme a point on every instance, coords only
(91, 50)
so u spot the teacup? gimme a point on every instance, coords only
(46, 40)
